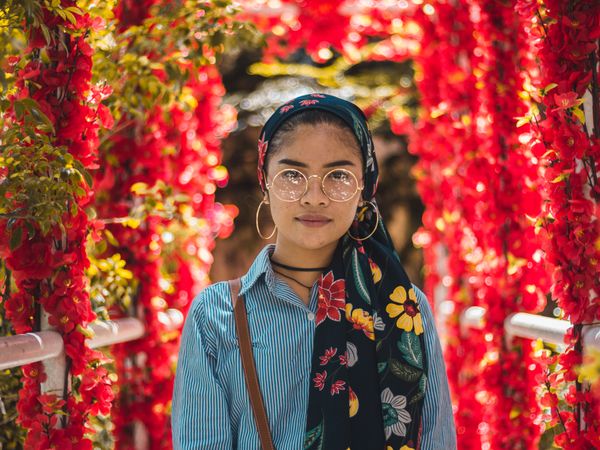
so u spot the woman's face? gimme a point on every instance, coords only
(314, 221)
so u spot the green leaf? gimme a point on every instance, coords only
(111, 238)
(312, 436)
(16, 238)
(404, 371)
(36, 111)
(410, 347)
(361, 285)
(381, 367)
(70, 17)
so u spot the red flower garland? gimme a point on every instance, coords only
(146, 366)
(569, 220)
(49, 268)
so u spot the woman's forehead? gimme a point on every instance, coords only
(319, 146)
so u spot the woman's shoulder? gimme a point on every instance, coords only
(212, 314)
(211, 299)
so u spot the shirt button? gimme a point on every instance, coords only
(310, 316)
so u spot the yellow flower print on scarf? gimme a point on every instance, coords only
(361, 320)
(404, 447)
(375, 270)
(407, 308)
(353, 402)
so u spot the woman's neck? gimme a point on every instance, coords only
(291, 255)
(303, 258)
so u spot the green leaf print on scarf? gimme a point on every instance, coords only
(361, 285)
(312, 436)
(381, 367)
(358, 129)
(411, 349)
(404, 371)
(421, 393)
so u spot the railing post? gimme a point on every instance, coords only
(58, 380)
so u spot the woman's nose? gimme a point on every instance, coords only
(314, 192)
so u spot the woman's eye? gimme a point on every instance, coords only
(339, 175)
(291, 175)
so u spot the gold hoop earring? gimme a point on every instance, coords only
(374, 229)
(258, 228)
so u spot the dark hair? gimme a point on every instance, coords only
(311, 117)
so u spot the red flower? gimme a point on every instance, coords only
(566, 101)
(337, 387)
(32, 260)
(320, 380)
(332, 298)
(285, 109)
(344, 359)
(329, 353)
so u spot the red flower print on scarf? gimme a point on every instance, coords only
(285, 109)
(332, 298)
(262, 150)
(320, 380)
(344, 359)
(317, 95)
(308, 102)
(337, 387)
(329, 353)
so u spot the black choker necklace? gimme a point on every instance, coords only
(293, 279)
(300, 269)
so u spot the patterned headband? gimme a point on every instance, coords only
(347, 111)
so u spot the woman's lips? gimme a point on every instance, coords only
(313, 220)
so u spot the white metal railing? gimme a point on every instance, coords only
(44, 345)
(524, 325)
(47, 346)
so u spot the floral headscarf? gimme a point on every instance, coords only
(369, 366)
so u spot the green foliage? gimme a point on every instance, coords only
(177, 39)
(387, 85)
(11, 435)
(110, 282)
(43, 181)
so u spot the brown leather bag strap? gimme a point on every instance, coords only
(256, 399)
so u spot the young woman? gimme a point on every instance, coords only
(345, 346)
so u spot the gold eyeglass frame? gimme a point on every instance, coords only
(358, 189)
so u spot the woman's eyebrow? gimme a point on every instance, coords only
(291, 162)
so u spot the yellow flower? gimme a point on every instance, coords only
(406, 307)
(590, 369)
(361, 320)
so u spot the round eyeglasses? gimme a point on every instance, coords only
(289, 185)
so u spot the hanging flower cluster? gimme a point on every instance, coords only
(566, 141)
(510, 275)
(317, 26)
(444, 140)
(162, 171)
(155, 134)
(49, 141)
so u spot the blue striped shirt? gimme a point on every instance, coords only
(211, 407)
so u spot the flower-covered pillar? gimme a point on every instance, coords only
(49, 142)
(563, 133)
(511, 275)
(162, 169)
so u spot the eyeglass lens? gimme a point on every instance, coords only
(338, 184)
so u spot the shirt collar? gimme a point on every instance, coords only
(260, 266)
